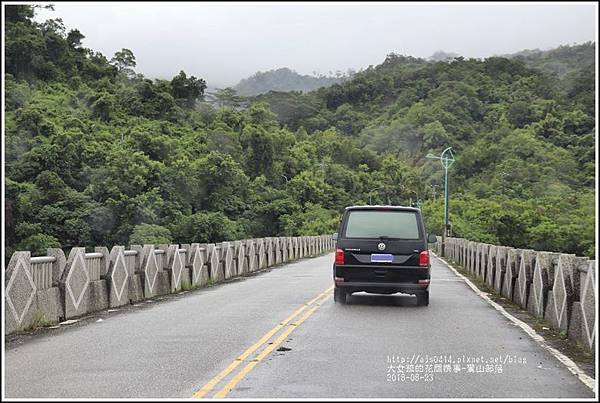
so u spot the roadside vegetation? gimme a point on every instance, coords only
(98, 154)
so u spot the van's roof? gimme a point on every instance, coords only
(375, 207)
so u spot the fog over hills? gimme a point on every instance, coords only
(560, 61)
(285, 79)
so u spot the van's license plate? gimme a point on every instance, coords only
(382, 258)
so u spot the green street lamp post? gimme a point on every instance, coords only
(447, 159)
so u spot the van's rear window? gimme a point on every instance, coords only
(380, 223)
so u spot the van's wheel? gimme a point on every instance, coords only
(423, 298)
(339, 295)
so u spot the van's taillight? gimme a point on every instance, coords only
(424, 258)
(339, 256)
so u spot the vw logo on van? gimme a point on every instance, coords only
(381, 246)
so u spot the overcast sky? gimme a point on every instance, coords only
(225, 42)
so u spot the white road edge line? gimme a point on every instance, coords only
(571, 366)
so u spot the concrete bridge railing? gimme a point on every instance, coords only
(57, 287)
(557, 287)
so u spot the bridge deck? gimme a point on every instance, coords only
(173, 348)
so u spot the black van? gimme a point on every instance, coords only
(382, 250)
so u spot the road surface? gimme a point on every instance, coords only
(280, 335)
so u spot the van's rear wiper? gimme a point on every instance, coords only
(384, 237)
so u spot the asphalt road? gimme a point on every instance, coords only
(292, 341)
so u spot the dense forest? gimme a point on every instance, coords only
(97, 154)
(285, 79)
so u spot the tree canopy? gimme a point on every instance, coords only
(97, 154)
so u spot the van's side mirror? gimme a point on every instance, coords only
(431, 238)
(334, 236)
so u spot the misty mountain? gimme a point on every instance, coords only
(284, 79)
(561, 60)
(441, 55)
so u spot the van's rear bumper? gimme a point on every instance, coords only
(382, 278)
(382, 273)
(408, 288)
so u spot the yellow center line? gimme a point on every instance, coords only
(219, 377)
(240, 375)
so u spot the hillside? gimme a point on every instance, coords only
(283, 79)
(524, 140)
(560, 61)
(97, 154)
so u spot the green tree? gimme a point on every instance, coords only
(207, 227)
(187, 90)
(124, 61)
(150, 234)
